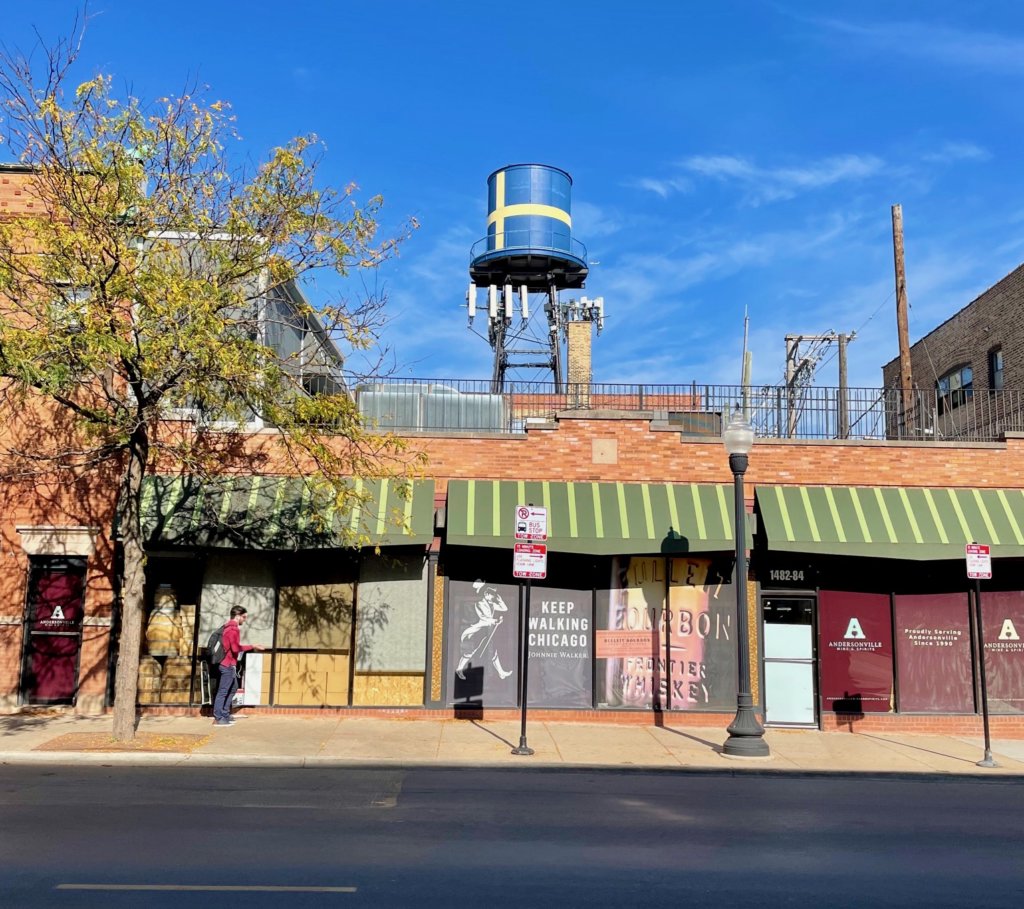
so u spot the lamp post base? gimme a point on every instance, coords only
(522, 748)
(746, 735)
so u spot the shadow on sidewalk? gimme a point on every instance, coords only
(881, 738)
(659, 722)
(490, 732)
(28, 718)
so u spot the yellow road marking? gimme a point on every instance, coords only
(220, 888)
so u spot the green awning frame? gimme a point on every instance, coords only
(892, 522)
(279, 513)
(596, 518)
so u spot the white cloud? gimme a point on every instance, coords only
(950, 152)
(769, 184)
(590, 221)
(956, 47)
(664, 187)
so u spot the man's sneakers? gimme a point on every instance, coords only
(223, 722)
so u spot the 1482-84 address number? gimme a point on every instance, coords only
(786, 574)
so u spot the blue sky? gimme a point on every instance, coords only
(727, 155)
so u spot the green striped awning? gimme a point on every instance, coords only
(280, 513)
(596, 518)
(891, 522)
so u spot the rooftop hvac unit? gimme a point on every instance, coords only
(423, 407)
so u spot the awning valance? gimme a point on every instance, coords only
(891, 521)
(281, 513)
(596, 518)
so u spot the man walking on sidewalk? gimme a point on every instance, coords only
(228, 683)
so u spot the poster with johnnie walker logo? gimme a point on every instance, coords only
(483, 650)
(559, 640)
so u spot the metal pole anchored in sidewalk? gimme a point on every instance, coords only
(986, 761)
(524, 614)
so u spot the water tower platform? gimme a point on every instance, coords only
(536, 267)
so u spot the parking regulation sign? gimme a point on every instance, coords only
(530, 561)
(979, 561)
(531, 523)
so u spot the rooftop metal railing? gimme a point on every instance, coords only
(776, 412)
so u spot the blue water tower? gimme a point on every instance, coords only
(529, 238)
(529, 250)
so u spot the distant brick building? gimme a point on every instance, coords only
(960, 367)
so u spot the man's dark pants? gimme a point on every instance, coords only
(226, 689)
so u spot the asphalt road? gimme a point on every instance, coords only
(129, 836)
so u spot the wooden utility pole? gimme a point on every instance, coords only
(902, 319)
(844, 406)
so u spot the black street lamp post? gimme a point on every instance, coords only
(746, 734)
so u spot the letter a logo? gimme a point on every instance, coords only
(854, 631)
(1008, 632)
(57, 613)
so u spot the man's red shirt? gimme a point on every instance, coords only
(232, 645)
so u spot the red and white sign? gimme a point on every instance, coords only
(530, 561)
(531, 523)
(979, 561)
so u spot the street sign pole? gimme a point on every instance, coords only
(979, 565)
(987, 761)
(530, 561)
(522, 747)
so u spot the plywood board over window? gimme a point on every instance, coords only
(315, 617)
(391, 629)
(314, 637)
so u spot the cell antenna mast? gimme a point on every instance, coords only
(529, 256)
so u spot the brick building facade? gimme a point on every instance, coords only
(971, 367)
(837, 526)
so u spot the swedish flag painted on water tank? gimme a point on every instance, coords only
(529, 240)
(528, 205)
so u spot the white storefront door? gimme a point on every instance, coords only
(788, 626)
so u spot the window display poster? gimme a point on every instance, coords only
(933, 653)
(483, 648)
(559, 641)
(1002, 614)
(855, 652)
(682, 657)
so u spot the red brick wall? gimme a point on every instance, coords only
(15, 193)
(991, 320)
(646, 455)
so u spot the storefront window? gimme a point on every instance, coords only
(484, 643)
(559, 639)
(855, 652)
(679, 658)
(391, 628)
(933, 653)
(312, 645)
(1003, 618)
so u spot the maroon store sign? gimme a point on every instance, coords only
(1003, 618)
(933, 653)
(855, 647)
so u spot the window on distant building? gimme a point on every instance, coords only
(956, 387)
(995, 369)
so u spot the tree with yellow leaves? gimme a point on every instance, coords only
(150, 307)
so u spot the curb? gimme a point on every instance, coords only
(207, 761)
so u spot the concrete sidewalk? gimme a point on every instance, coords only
(347, 741)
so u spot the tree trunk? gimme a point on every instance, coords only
(132, 589)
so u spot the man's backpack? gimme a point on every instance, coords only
(215, 648)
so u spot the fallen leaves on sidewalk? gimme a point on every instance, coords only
(143, 741)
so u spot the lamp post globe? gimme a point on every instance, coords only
(746, 734)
